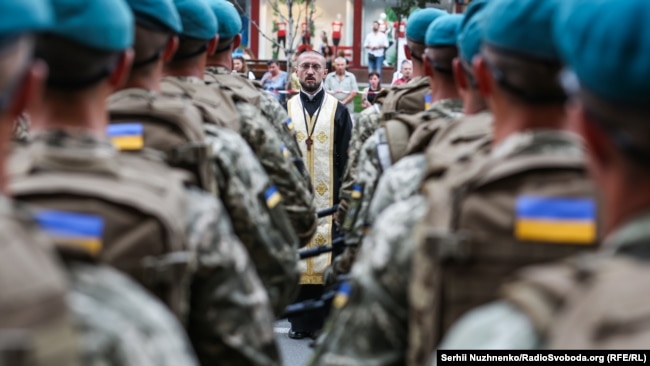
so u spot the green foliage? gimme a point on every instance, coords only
(404, 7)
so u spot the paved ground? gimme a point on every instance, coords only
(294, 352)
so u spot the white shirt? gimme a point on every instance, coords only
(378, 39)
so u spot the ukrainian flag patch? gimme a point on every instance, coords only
(73, 229)
(127, 136)
(428, 101)
(289, 124)
(272, 197)
(285, 151)
(556, 220)
(342, 295)
(356, 191)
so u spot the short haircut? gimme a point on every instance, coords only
(417, 49)
(74, 66)
(407, 62)
(271, 62)
(148, 47)
(527, 79)
(320, 55)
(189, 51)
(443, 57)
(341, 59)
(14, 56)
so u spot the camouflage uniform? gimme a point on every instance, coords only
(567, 304)
(371, 328)
(265, 143)
(405, 98)
(375, 159)
(262, 227)
(242, 183)
(35, 321)
(117, 318)
(404, 178)
(21, 128)
(271, 109)
(230, 317)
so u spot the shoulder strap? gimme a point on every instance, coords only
(216, 108)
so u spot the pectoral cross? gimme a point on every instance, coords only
(309, 142)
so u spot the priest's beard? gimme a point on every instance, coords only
(310, 86)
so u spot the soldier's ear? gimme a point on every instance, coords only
(121, 72)
(213, 45)
(236, 42)
(170, 49)
(459, 75)
(483, 76)
(29, 94)
(597, 140)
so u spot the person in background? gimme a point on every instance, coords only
(239, 66)
(406, 73)
(370, 93)
(326, 50)
(342, 84)
(376, 42)
(274, 80)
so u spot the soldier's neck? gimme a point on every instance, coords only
(473, 103)
(195, 68)
(518, 118)
(148, 81)
(83, 110)
(442, 91)
(220, 59)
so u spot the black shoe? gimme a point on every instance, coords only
(300, 335)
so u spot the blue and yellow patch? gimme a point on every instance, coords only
(272, 197)
(285, 151)
(127, 136)
(556, 220)
(73, 229)
(356, 191)
(342, 295)
(289, 124)
(428, 101)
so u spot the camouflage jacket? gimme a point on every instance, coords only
(258, 219)
(565, 305)
(265, 143)
(116, 318)
(221, 283)
(365, 125)
(371, 328)
(36, 327)
(266, 102)
(375, 158)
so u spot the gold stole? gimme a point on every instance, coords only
(320, 164)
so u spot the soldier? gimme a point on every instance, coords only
(133, 213)
(389, 143)
(408, 99)
(297, 197)
(35, 325)
(112, 314)
(513, 202)
(593, 301)
(403, 179)
(251, 199)
(218, 71)
(139, 103)
(472, 206)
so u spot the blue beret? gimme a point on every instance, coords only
(443, 32)
(105, 25)
(20, 16)
(521, 26)
(418, 22)
(471, 37)
(228, 18)
(610, 59)
(198, 19)
(162, 12)
(474, 8)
